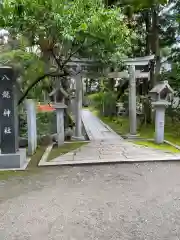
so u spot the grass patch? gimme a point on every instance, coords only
(120, 125)
(171, 133)
(65, 148)
(31, 168)
(5, 175)
(36, 157)
(163, 146)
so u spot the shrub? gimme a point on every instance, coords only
(96, 99)
(105, 102)
(46, 123)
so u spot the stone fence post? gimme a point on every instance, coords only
(32, 127)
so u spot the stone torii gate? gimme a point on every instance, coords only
(81, 68)
(132, 74)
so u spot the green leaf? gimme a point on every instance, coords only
(83, 27)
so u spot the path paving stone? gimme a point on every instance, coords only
(107, 146)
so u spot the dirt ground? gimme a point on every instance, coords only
(104, 202)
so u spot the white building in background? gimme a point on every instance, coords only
(165, 65)
(4, 34)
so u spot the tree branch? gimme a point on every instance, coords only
(33, 84)
(72, 53)
(56, 60)
(66, 70)
(62, 66)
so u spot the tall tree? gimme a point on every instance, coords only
(147, 15)
(62, 29)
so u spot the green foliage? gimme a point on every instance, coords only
(73, 22)
(140, 4)
(28, 66)
(105, 102)
(125, 100)
(46, 123)
(119, 124)
(173, 76)
(18, 58)
(96, 99)
(61, 29)
(22, 125)
(137, 4)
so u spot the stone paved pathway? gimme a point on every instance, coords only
(108, 147)
(96, 129)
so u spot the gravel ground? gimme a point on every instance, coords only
(105, 202)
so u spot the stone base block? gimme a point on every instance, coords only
(13, 160)
(132, 136)
(82, 138)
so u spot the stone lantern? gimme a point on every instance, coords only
(159, 95)
(161, 91)
(60, 122)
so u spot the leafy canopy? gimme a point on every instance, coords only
(71, 24)
(61, 29)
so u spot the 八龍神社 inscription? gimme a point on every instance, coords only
(8, 111)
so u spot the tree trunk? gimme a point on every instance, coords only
(146, 104)
(90, 85)
(67, 118)
(111, 84)
(86, 82)
(155, 45)
(147, 19)
(59, 97)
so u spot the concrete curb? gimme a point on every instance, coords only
(45, 155)
(172, 144)
(78, 141)
(88, 132)
(48, 150)
(128, 137)
(107, 161)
